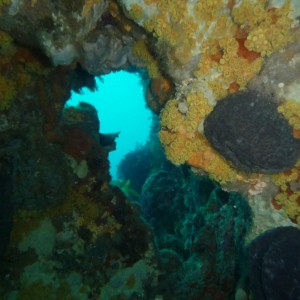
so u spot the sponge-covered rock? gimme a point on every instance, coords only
(248, 131)
(274, 265)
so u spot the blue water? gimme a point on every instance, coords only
(121, 106)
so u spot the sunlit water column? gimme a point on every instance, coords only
(119, 101)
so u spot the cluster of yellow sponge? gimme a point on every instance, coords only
(288, 196)
(228, 62)
(288, 182)
(183, 139)
(227, 41)
(291, 111)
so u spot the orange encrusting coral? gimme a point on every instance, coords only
(233, 87)
(245, 53)
(184, 143)
(288, 196)
(246, 19)
(213, 164)
(161, 89)
(276, 205)
(158, 93)
(141, 50)
(227, 42)
(296, 133)
(291, 111)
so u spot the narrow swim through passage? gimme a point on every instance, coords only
(120, 103)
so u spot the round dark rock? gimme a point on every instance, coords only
(274, 265)
(248, 131)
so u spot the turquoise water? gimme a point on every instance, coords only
(121, 106)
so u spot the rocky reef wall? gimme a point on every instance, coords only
(222, 75)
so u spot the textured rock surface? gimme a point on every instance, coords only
(56, 28)
(59, 216)
(65, 232)
(248, 131)
(200, 231)
(274, 263)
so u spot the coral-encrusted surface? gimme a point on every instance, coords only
(65, 232)
(211, 50)
(200, 232)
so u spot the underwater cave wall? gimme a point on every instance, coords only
(65, 232)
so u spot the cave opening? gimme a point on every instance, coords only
(119, 99)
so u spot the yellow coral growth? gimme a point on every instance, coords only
(265, 40)
(227, 40)
(107, 225)
(284, 178)
(176, 10)
(235, 69)
(78, 209)
(162, 29)
(179, 133)
(196, 151)
(223, 27)
(90, 214)
(233, 54)
(269, 29)
(198, 109)
(291, 111)
(20, 69)
(211, 162)
(250, 13)
(140, 49)
(231, 45)
(171, 23)
(208, 10)
(231, 70)
(289, 198)
(290, 202)
(171, 118)
(183, 141)
(223, 56)
(136, 12)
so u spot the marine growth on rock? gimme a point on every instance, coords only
(274, 264)
(247, 130)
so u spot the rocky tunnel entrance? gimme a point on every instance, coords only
(119, 100)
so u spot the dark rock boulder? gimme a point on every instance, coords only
(274, 265)
(248, 131)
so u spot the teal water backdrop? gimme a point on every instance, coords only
(121, 106)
